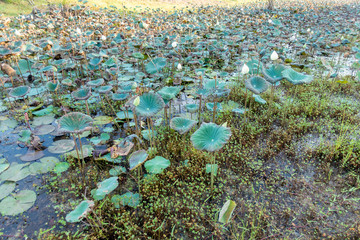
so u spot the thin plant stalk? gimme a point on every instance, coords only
(81, 148)
(199, 110)
(87, 107)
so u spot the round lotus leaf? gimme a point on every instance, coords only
(6, 188)
(104, 89)
(296, 77)
(87, 151)
(61, 167)
(96, 82)
(17, 203)
(75, 122)
(95, 61)
(192, 107)
(116, 171)
(137, 158)
(274, 73)
(138, 55)
(254, 66)
(32, 156)
(105, 187)
(155, 65)
(102, 120)
(45, 165)
(214, 84)
(128, 199)
(7, 124)
(82, 93)
(256, 84)
(52, 87)
(157, 164)
(119, 96)
(15, 172)
(19, 92)
(210, 137)
(62, 146)
(210, 106)
(43, 120)
(168, 93)
(150, 104)
(4, 166)
(80, 211)
(146, 134)
(124, 115)
(182, 125)
(259, 99)
(43, 129)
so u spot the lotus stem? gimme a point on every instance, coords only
(150, 133)
(212, 171)
(199, 111)
(87, 107)
(127, 117)
(246, 96)
(112, 108)
(17, 64)
(214, 111)
(81, 148)
(77, 150)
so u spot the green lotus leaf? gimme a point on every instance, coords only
(61, 167)
(210, 106)
(256, 84)
(4, 166)
(75, 122)
(296, 77)
(44, 111)
(119, 96)
(107, 157)
(15, 172)
(105, 187)
(116, 171)
(32, 155)
(104, 89)
(192, 107)
(138, 55)
(19, 92)
(274, 73)
(157, 165)
(238, 111)
(45, 165)
(259, 99)
(7, 124)
(212, 168)
(146, 134)
(128, 199)
(87, 151)
(168, 93)
(182, 125)
(25, 136)
(210, 137)
(17, 203)
(96, 82)
(137, 158)
(102, 120)
(82, 93)
(6, 188)
(95, 61)
(254, 66)
(100, 140)
(61, 146)
(49, 69)
(211, 84)
(150, 104)
(155, 65)
(43, 129)
(80, 211)
(43, 120)
(226, 211)
(52, 87)
(124, 115)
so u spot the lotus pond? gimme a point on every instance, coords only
(200, 123)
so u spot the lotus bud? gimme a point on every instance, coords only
(270, 21)
(8, 70)
(308, 30)
(293, 38)
(103, 38)
(245, 69)
(78, 31)
(179, 67)
(174, 44)
(274, 56)
(134, 86)
(136, 101)
(17, 33)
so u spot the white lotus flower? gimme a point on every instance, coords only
(103, 38)
(17, 32)
(293, 38)
(179, 67)
(78, 31)
(245, 69)
(274, 56)
(136, 101)
(270, 21)
(174, 44)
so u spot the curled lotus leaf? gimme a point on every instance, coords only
(274, 73)
(182, 125)
(17, 203)
(210, 106)
(295, 77)
(259, 99)
(168, 93)
(254, 66)
(105, 187)
(80, 211)
(150, 104)
(192, 107)
(19, 92)
(137, 158)
(75, 122)
(95, 83)
(210, 137)
(61, 146)
(52, 86)
(105, 89)
(226, 211)
(82, 93)
(119, 96)
(256, 84)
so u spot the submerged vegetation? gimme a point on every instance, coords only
(204, 123)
